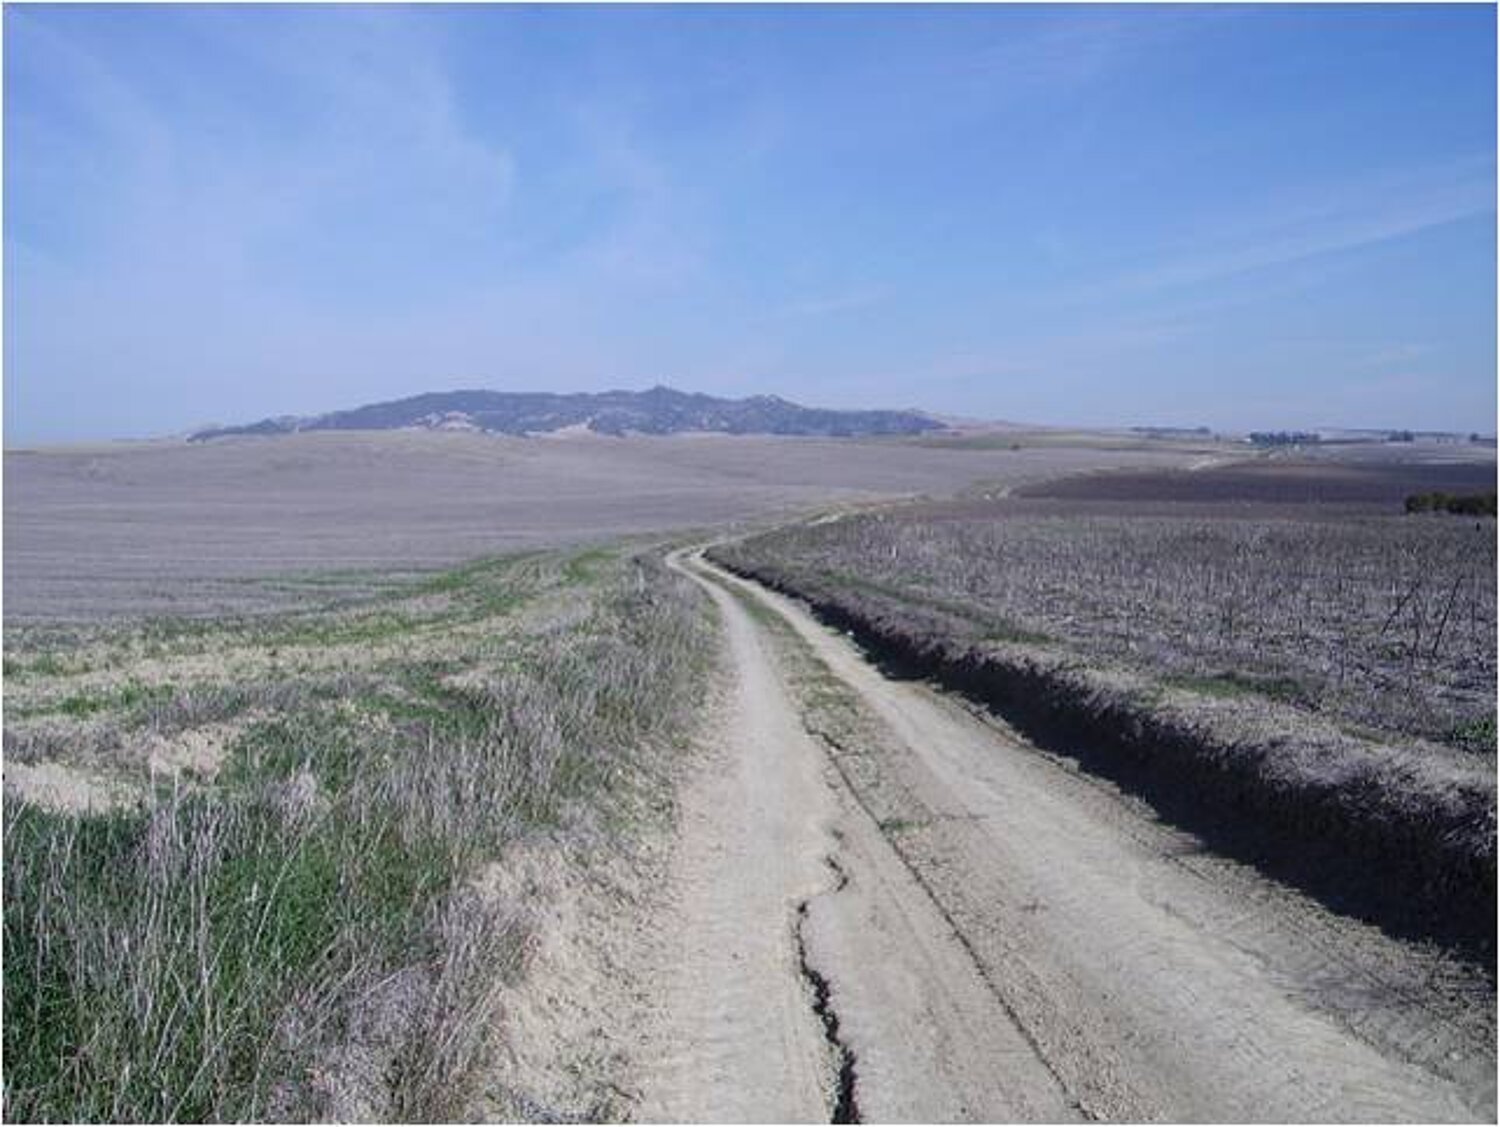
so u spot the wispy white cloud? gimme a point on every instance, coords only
(1395, 355)
(1075, 47)
(842, 301)
(651, 238)
(1052, 48)
(370, 121)
(1338, 218)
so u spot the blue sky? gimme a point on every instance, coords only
(1231, 216)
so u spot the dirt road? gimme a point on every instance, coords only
(913, 915)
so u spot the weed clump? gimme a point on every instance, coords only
(1460, 504)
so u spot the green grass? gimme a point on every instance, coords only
(1233, 683)
(900, 825)
(133, 696)
(43, 665)
(583, 567)
(1476, 735)
(373, 627)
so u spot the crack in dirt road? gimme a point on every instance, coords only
(1004, 938)
(846, 1099)
(846, 1089)
(836, 751)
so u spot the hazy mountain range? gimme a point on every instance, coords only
(661, 410)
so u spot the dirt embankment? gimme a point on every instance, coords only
(1404, 839)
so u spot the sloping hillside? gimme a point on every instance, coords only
(661, 410)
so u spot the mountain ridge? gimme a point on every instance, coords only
(658, 410)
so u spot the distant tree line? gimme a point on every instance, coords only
(1283, 438)
(1464, 504)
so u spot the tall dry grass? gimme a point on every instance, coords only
(304, 937)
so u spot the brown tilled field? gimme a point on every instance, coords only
(1354, 479)
(173, 528)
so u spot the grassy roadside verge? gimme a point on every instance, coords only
(1403, 837)
(297, 924)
